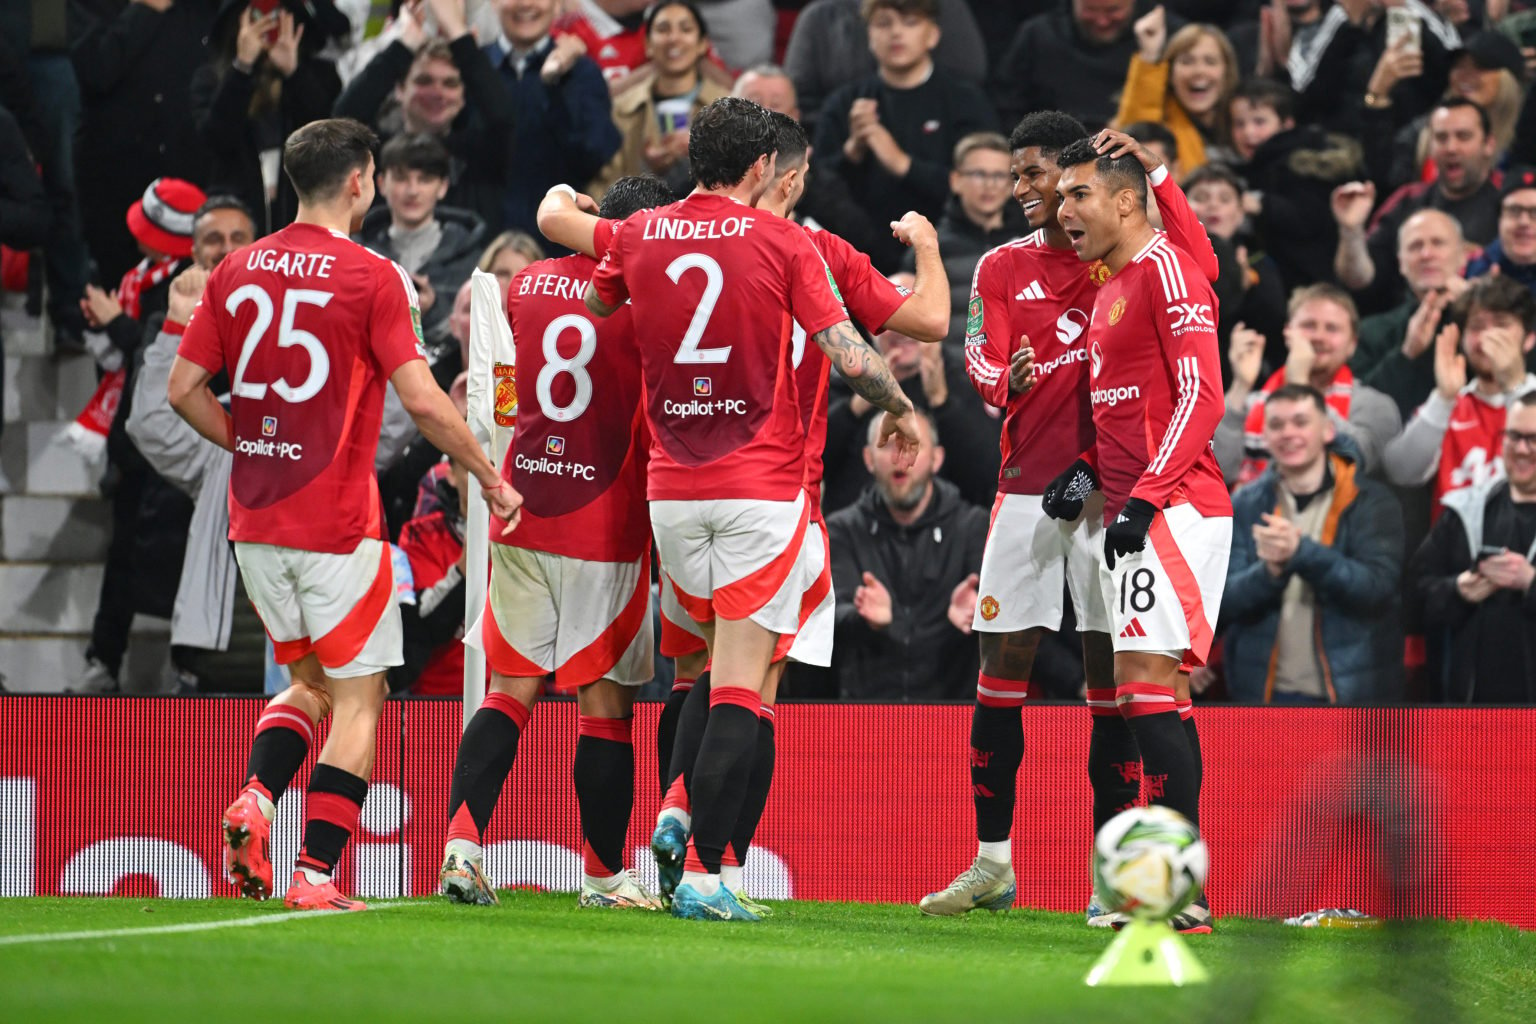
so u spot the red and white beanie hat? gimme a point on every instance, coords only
(162, 220)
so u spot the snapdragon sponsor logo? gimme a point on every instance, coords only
(1114, 396)
(1075, 355)
(263, 449)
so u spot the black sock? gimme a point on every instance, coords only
(1114, 767)
(997, 748)
(332, 804)
(283, 736)
(666, 730)
(1192, 735)
(758, 783)
(604, 774)
(691, 722)
(1166, 762)
(484, 760)
(720, 775)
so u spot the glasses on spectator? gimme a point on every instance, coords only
(427, 80)
(1516, 438)
(1514, 212)
(990, 177)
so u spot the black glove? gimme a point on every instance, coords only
(1128, 533)
(1063, 498)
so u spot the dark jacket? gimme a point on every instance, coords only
(1379, 360)
(1493, 256)
(25, 215)
(1354, 579)
(926, 121)
(449, 266)
(963, 242)
(920, 656)
(477, 139)
(564, 133)
(1499, 633)
(221, 97)
(1297, 171)
(134, 66)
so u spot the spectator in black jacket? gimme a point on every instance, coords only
(443, 86)
(891, 136)
(978, 217)
(134, 62)
(1472, 576)
(904, 568)
(933, 376)
(25, 215)
(564, 130)
(265, 80)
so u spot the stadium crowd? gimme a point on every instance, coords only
(1366, 171)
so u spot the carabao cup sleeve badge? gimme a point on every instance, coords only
(506, 394)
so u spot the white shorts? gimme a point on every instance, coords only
(340, 607)
(736, 558)
(1166, 597)
(680, 635)
(582, 621)
(812, 643)
(1027, 559)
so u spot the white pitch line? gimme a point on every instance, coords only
(176, 929)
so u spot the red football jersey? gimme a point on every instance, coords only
(1155, 384)
(432, 550)
(1473, 449)
(311, 325)
(578, 452)
(717, 288)
(871, 299)
(1026, 288)
(617, 50)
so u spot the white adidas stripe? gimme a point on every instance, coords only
(1189, 389)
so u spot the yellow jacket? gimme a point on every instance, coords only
(634, 113)
(1146, 98)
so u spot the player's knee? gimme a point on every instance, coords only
(315, 696)
(1009, 655)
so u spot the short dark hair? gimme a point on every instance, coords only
(633, 193)
(1050, 130)
(1266, 92)
(789, 140)
(320, 156)
(415, 152)
(1207, 174)
(1456, 102)
(1526, 398)
(655, 12)
(1496, 293)
(1298, 393)
(923, 8)
(1119, 172)
(223, 201)
(727, 138)
(1150, 131)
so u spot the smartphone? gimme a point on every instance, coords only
(1489, 551)
(265, 8)
(1404, 29)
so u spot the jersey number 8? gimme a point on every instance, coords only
(555, 364)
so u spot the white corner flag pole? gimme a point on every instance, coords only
(490, 345)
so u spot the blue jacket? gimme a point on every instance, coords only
(563, 133)
(1355, 581)
(1493, 256)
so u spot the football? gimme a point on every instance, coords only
(1149, 862)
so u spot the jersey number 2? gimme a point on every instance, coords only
(714, 284)
(287, 336)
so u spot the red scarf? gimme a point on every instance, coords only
(1255, 452)
(141, 278)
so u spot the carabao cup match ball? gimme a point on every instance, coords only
(1148, 862)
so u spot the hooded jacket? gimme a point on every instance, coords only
(1353, 571)
(920, 656)
(449, 266)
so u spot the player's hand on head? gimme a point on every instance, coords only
(586, 204)
(1127, 535)
(186, 293)
(1064, 496)
(1117, 144)
(1021, 367)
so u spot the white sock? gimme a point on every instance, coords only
(1000, 852)
(606, 883)
(314, 877)
(730, 877)
(678, 815)
(464, 848)
(705, 885)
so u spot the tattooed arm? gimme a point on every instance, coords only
(868, 375)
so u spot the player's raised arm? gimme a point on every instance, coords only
(606, 292)
(1179, 220)
(569, 218)
(925, 314)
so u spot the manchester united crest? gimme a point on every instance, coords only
(1098, 273)
(1117, 311)
(989, 608)
(505, 376)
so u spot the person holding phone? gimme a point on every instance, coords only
(654, 111)
(1472, 576)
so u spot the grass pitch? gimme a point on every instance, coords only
(537, 957)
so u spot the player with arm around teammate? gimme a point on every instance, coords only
(1027, 353)
(716, 288)
(311, 326)
(1155, 391)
